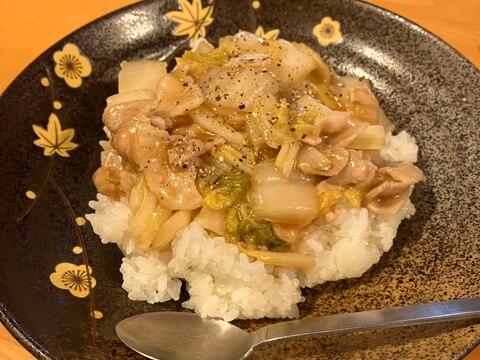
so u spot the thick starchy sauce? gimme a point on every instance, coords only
(258, 140)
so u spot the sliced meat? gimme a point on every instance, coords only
(178, 97)
(175, 188)
(332, 121)
(135, 110)
(116, 177)
(290, 233)
(357, 171)
(140, 142)
(184, 150)
(338, 158)
(404, 172)
(387, 198)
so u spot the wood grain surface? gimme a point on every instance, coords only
(28, 27)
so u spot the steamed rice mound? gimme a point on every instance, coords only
(224, 283)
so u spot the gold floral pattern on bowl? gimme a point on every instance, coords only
(77, 279)
(269, 35)
(327, 31)
(192, 20)
(53, 139)
(71, 66)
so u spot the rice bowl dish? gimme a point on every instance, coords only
(271, 206)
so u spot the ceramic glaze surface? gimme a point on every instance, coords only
(60, 288)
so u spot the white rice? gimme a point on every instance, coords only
(401, 147)
(223, 283)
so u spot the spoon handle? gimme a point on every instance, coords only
(372, 320)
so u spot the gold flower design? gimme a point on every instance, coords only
(192, 19)
(73, 278)
(71, 66)
(54, 139)
(270, 35)
(327, 32)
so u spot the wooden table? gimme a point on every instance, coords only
(28, 27)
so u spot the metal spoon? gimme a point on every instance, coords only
(186, 336)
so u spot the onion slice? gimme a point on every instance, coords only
(286, 259)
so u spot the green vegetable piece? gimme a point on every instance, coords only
(233, 221)
(257, 232)
(228, 190)
(231, 226)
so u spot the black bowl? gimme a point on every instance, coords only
(428, 88)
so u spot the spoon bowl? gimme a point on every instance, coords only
(187, 336)
(178, 335)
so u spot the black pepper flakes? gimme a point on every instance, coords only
(241, 106)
